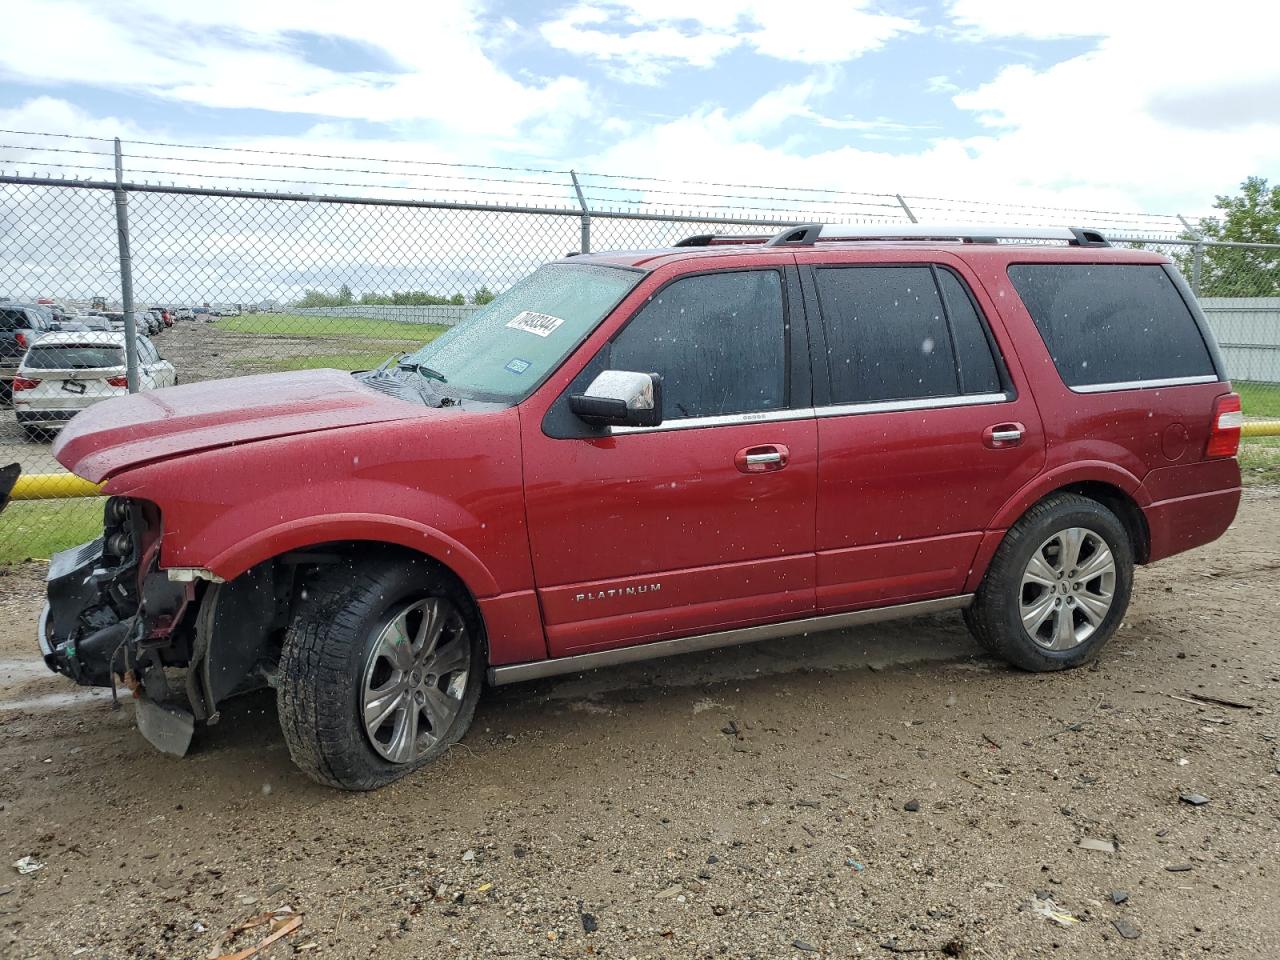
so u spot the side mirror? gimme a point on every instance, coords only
(621, 398)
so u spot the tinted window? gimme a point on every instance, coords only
(718, 340)
(1112, 323)
(978, 373)
(887, 337)
(73, 356)
(147, 351)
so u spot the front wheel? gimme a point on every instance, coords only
(1058, 586)
(380, 672)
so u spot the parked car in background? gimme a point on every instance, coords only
(19, 327)
(184, 313)
(95, 321)
(63, 373)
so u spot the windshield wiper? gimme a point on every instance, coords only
(424, 371)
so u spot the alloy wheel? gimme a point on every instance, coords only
(415, 678)
(1067, 588)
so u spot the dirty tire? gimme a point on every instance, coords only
(322, 665)
(995, 619)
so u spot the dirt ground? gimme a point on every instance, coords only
(887, 790)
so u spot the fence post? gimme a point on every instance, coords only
(905, 209)
(1197, 254)
(585, 246)
(126, 276)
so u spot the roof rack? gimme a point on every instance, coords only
(804, 235)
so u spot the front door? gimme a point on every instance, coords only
(705, 522)
(924, 434)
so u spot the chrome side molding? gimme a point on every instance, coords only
(537, 669)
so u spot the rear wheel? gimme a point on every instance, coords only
(1058, 586)
(380, 672)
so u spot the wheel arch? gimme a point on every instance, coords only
(370, 530)
(1116, 489)
(254, 607)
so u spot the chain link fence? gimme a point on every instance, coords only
(230, 282)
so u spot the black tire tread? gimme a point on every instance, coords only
(316, 670)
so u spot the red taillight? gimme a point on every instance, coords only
(23, 383)
(22, 339)
(1224, 434)
(117, 381)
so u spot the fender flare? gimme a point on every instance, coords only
(356, 527)
(1085, 471)
(1095, 471)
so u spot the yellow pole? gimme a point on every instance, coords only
(1261, 428)
(53, 486)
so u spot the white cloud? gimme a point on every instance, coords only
(1047, 21)
(640, 41)
(242, 54)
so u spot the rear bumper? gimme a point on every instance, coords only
(1187, 522)
(44, 418)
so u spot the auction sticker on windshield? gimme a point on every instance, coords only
(539, 324)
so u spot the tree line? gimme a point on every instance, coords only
(1253, 216)
(398, 298)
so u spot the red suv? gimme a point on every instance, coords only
(629, 455)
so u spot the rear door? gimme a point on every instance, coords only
(705, 522)
(925, 426)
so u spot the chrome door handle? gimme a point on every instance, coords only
(762, 458)
(1006, 436)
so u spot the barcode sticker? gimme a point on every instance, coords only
(539, 324)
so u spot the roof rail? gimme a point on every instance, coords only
(809, 233)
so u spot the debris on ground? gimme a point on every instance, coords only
(1102, 846)
(1195, 799)
(27, 865)
(1220, 701)
(283, 922)
(1047, 908)
(1125, 928)
(1119, 896)
(911, 806)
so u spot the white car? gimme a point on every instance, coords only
(62, 373)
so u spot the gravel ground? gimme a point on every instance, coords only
(859, 794)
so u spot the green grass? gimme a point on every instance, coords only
(294, 325)
(37, 529)
(1259, 399)
(1260, 463)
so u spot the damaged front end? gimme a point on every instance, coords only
(112, 613)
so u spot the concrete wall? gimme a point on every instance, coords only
(447, 315)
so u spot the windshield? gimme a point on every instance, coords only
(502, 351)
(72, 356)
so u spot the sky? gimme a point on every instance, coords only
(1122, 105)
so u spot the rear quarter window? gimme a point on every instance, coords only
(1112, 323)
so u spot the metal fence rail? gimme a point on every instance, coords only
(267, 281)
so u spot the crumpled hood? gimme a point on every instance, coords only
(128, 431)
